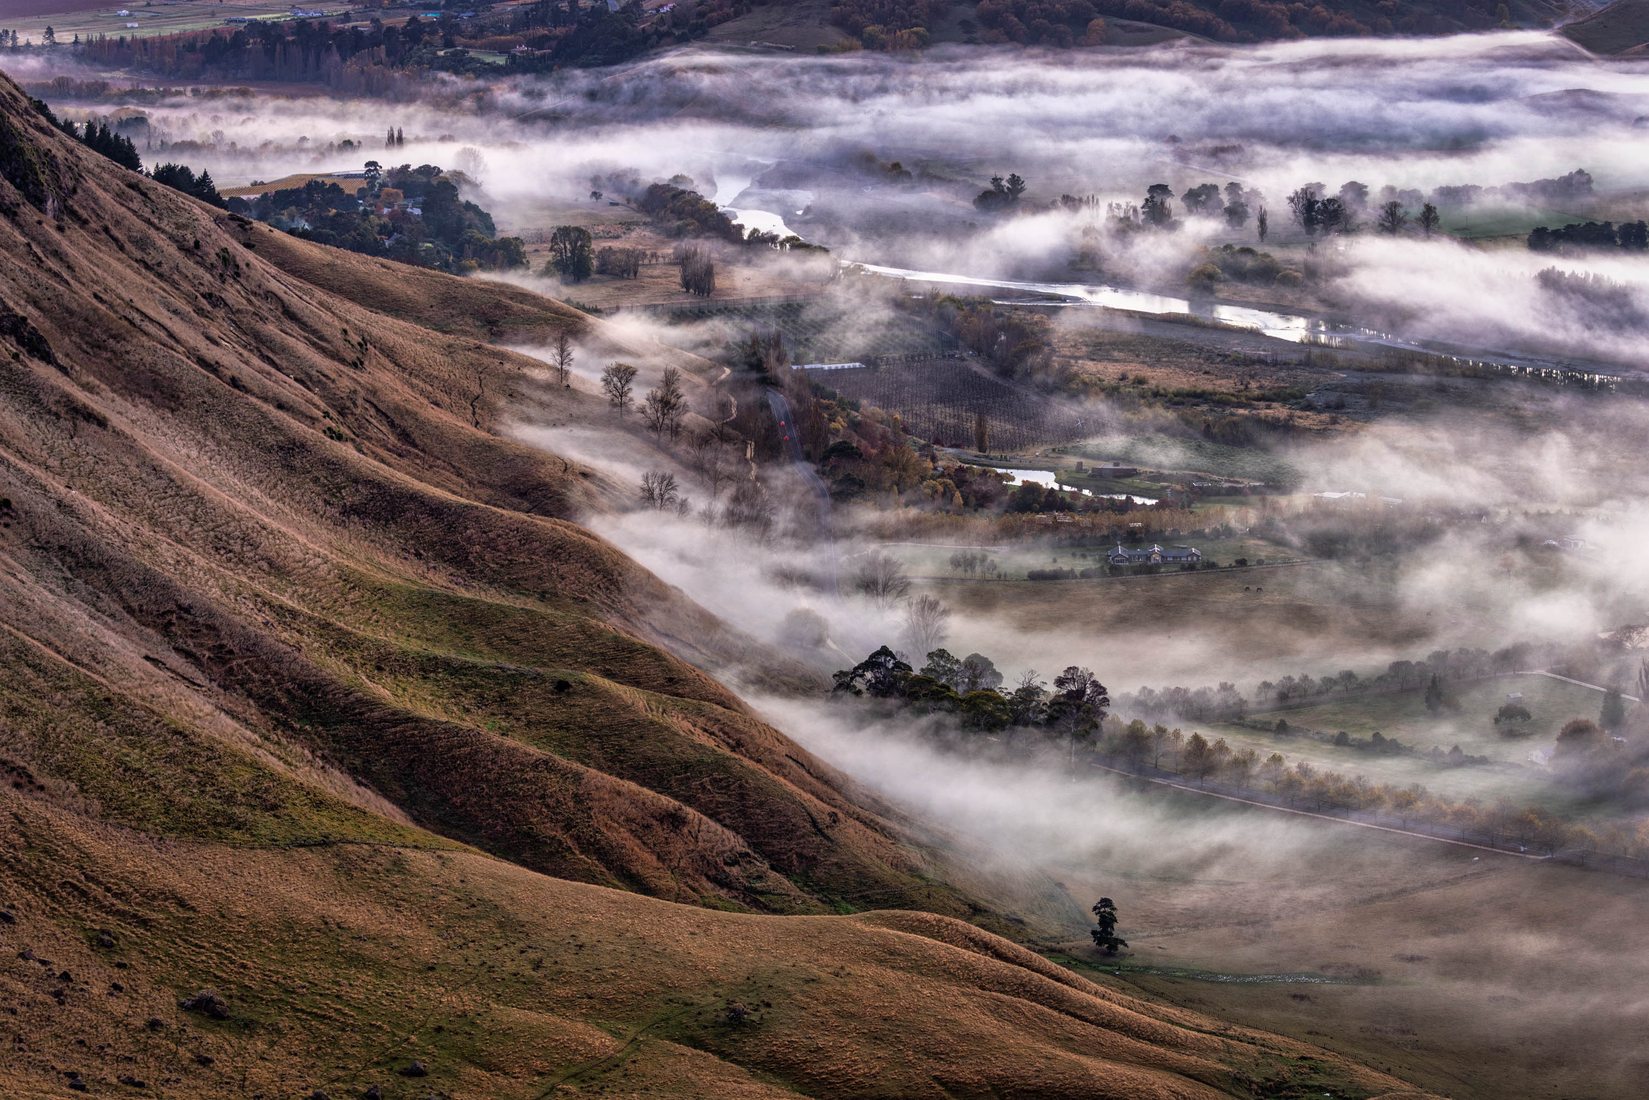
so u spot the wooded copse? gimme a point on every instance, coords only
(962, 707)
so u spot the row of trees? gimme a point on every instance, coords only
(1434, 673)
(1311, 208)
(1591, 236)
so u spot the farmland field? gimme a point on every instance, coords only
(939, 400)
(72, 17)
(1013, 561)
(1228, 624)
(1467, 722)
(1472, 974)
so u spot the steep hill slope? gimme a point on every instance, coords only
(286, 513)
(311, 681)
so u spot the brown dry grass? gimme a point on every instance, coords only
(296, 180)
(340, 965)
(273, 503)
(310, 672)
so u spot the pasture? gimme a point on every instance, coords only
(1472, 974)
(77, 17)
(941, 400)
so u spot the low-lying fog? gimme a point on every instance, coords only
(810, 140)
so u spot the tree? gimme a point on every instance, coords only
(659, 489)
(981, 433)
(665, 404)
(1003, 193)
(617, 381)
(1262, 224)
(1306, 204)
(1335, 217)
(881, 675)
(709, 461)
(1434, 697)
(1392, 219)
(1354, 196)
(180, 177)
(698, 271)
(561, 353)
(1613, 714)
(1157, 209)
(1512, 720)
(50, 37)
(804, 628)
(1578, 738)
(927, 622)
(1430, 220)
(1202, 199)
(1105, 930)
(944, 668)
(572, 253)
(1026, 701)
(978, 673)
(881, 577)
(1077, 706)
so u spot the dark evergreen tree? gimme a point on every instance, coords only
(1105, 930)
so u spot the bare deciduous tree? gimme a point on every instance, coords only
(617, 381)
(748, 507)
(1392, 218)
(666, 404)
(881, 577)
(1430, 220)
(659, 489)
(927, 624)
(710, 462)
(562, 355)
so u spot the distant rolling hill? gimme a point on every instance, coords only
(338, 757)
(1622, 27)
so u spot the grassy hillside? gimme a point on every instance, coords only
(313, 682)
(1619, 28)
(288, 512)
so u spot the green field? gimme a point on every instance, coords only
(1468, 723)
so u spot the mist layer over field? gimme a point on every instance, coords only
(809, 141)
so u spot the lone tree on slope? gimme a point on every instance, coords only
(1105, 934)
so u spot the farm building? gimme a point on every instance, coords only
(1154, 555)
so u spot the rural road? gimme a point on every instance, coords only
(1577, 683)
